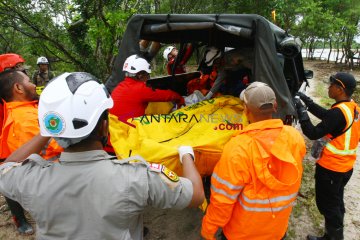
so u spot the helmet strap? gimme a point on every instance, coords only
(132, 75)
(67, 142)
(104, 140)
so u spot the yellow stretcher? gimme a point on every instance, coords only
(206, 126)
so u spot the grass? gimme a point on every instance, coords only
(322, 90)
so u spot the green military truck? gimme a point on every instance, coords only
(274, 55)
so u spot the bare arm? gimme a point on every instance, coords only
(34, 145)
(190, 172)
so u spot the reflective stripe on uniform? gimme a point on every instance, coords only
(222, 192)
(226, 183)
(268, 209)
(270, 200)
(346, 150)
(334, 150)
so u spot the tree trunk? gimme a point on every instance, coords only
(311, 48)
(330, 50)
(343, 54)
(337, 52)
(322, 51)
(157, 6)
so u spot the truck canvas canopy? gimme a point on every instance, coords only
(274, 54)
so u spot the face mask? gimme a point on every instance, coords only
(66, 142)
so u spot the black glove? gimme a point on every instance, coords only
(308, 101)
(301, 110)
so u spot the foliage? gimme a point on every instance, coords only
(84, 35)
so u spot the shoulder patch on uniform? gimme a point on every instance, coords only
(172, 176)
(159, 168)
(155, 167)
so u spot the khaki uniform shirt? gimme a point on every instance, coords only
(42, 78)
(85, 197)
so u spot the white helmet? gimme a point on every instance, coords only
(71, 105)
(135, 64)
(211, 53)
(167, 51)
(42, 60)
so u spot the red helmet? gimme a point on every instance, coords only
(9, 60)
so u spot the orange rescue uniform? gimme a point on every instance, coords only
(339, 154)
(256, 182)
(203, 83)
(20, 124)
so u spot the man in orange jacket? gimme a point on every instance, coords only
(256, 181)
(19, 126)
(339, 131)
(10, 61)
(209, 72)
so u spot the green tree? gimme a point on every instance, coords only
(84, 35)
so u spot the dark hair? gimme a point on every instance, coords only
(7, 80)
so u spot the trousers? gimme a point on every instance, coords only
(329, 190)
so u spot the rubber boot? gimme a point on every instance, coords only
(23, 227)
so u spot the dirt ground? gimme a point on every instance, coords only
(186, 224)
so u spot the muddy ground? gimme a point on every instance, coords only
(186, 224)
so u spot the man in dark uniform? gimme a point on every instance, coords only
(339, 134)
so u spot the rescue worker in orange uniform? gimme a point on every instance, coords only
(225, 73)
(19, 126)
(255, 183)
(10, 61)
(208, 70)
(339, 130)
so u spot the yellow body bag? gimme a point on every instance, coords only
(206, 126)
